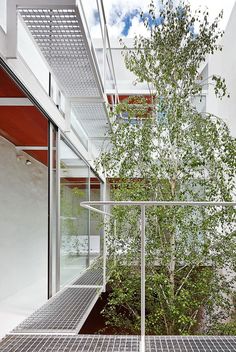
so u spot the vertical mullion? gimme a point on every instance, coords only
(104, 238)
(50, 84)
(143, 219)
(58, 211)
(89, 216)
(50, 195)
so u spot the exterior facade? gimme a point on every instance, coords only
(47, 152)
(55, 84)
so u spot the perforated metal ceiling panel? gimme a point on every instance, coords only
(92, 117)
(64, 312)
(60, 38)
(89, 111)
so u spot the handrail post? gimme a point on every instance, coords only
(105, 219)
(143, 220)
(104, 255)
(114, 234)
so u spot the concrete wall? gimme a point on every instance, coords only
(23, 236)
(224, 64)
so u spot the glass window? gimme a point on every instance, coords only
(74, 183)
(96, 220)
(24, 211)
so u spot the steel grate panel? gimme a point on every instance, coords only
(94, 128)
(60, 39)
(79, 343)
(102, 144)
(116, 343)
(93, 276)
(92, 117)
(190, 344)
(63, 312)
(91, 111)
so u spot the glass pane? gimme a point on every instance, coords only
(96, 220)
(74, 219)
(23, 209)
(54, 213)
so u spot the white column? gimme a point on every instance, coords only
(106, 219)
(142, 344)
(11, 38)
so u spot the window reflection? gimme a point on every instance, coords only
(74, 219)
(96, 220)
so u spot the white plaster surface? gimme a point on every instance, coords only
(23, 236)
(224, 64)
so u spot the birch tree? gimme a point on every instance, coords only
(163, 148)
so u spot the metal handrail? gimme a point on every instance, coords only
(106, 40)
(143, 204)
(160, 203)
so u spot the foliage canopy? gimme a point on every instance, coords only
(163, 148)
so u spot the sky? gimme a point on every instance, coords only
(123, 15)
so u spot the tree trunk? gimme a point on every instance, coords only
(172, 259)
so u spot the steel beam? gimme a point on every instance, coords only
(45, 3)
(67, 115)
(15, 102)
(86, 100)
(30, 148)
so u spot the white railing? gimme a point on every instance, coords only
(143, 204)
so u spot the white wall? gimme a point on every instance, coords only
(23, 236)
(224, 64)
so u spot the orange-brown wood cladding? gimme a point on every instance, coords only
(22, 125)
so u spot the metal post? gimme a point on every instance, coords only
(89, 217)
(58, 213)
(104, 256)
(142, 344)
(115, 238)
(50, 84)
(50, 216)
(104, 241)
(67, 115)
(104, 57)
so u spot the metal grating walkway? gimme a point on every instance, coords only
(88, 343)
(116, 343)
(66, 312)
(190, 344)
(93, 276)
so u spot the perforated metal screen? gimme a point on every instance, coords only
(60, 38)
(92, 117)
(65, 312)
(59, 35)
